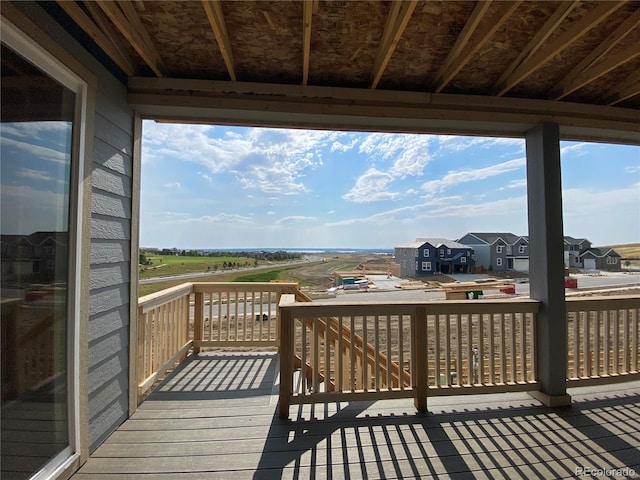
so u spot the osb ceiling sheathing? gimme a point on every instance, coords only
(528, 49)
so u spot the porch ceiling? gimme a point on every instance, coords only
(491, 67)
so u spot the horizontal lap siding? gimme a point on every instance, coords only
(110, 177)
(109, 274)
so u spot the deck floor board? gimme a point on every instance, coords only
(215, 417)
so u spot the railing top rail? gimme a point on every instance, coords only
(305, 309)
(602, 302)
(156, 299)
(205, 287)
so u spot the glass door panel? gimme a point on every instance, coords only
(35, 174)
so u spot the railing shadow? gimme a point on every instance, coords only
(219, 376)
(526, 441)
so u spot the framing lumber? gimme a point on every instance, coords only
(578, 77)
(213, 9)
(126, 20)
(100, 32)
(543, 34)
(396, 23)
(620, 93)
(307, 11)
(570, 36)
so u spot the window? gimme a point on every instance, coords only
(448, 251)
(521, 248)
(463, 259)
(426, 253)
(43, 127)
(426, 266)
(612, 260)
(509, 249)
(499, 262)
(442, 252)
(499, 248)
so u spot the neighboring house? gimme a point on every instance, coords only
(499, 251)
(572, 249)
(600, 259)
(428, 256)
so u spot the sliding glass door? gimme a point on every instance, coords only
(38, 119)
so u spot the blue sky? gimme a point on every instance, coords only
(235, 187)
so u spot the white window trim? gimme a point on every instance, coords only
(22, 44)
(499, 248)
(426, 253)
(463, 259)
(521, 248)
(499, 262)
(426, 266)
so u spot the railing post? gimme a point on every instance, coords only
(140, 354)
(286, 357)
(419, 358)
(198, 314)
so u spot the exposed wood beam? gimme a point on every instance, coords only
(604, 67)
(472, 39)
(572, 81)
(543, 34)
(629, 88)
(213, 9)
(126, 20)
(307, 11)
(567, 38)
(397, 21)
(99, 32)
(247, 103)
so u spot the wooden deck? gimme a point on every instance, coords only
(215, 417)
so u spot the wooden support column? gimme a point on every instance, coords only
(546, 261)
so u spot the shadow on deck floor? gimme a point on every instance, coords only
(215, 417)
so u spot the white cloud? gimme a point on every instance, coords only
(42, 153)
(516, 184)
(172, 185)
(294, 219)
(344, 147)
(434, 187)
(35, 174)
(371, 187)
(269, 160)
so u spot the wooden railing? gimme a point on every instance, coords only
(603, 339)
(378, 350)
(405, 350)
(198, 315)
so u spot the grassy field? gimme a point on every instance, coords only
(307, 274)
(167, 265)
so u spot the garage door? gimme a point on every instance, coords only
(590, 263)
(521, 264)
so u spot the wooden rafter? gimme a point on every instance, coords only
(567, 38)
(100, 32)
(124, 17)
(619, 93)
(604, 67)
(397, 21)
(573, 81)
(543, 34)
(213, 9)
(307, 10)
(108, 30)
(472, 39)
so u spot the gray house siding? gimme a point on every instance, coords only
(108, 329)
(109, 289)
